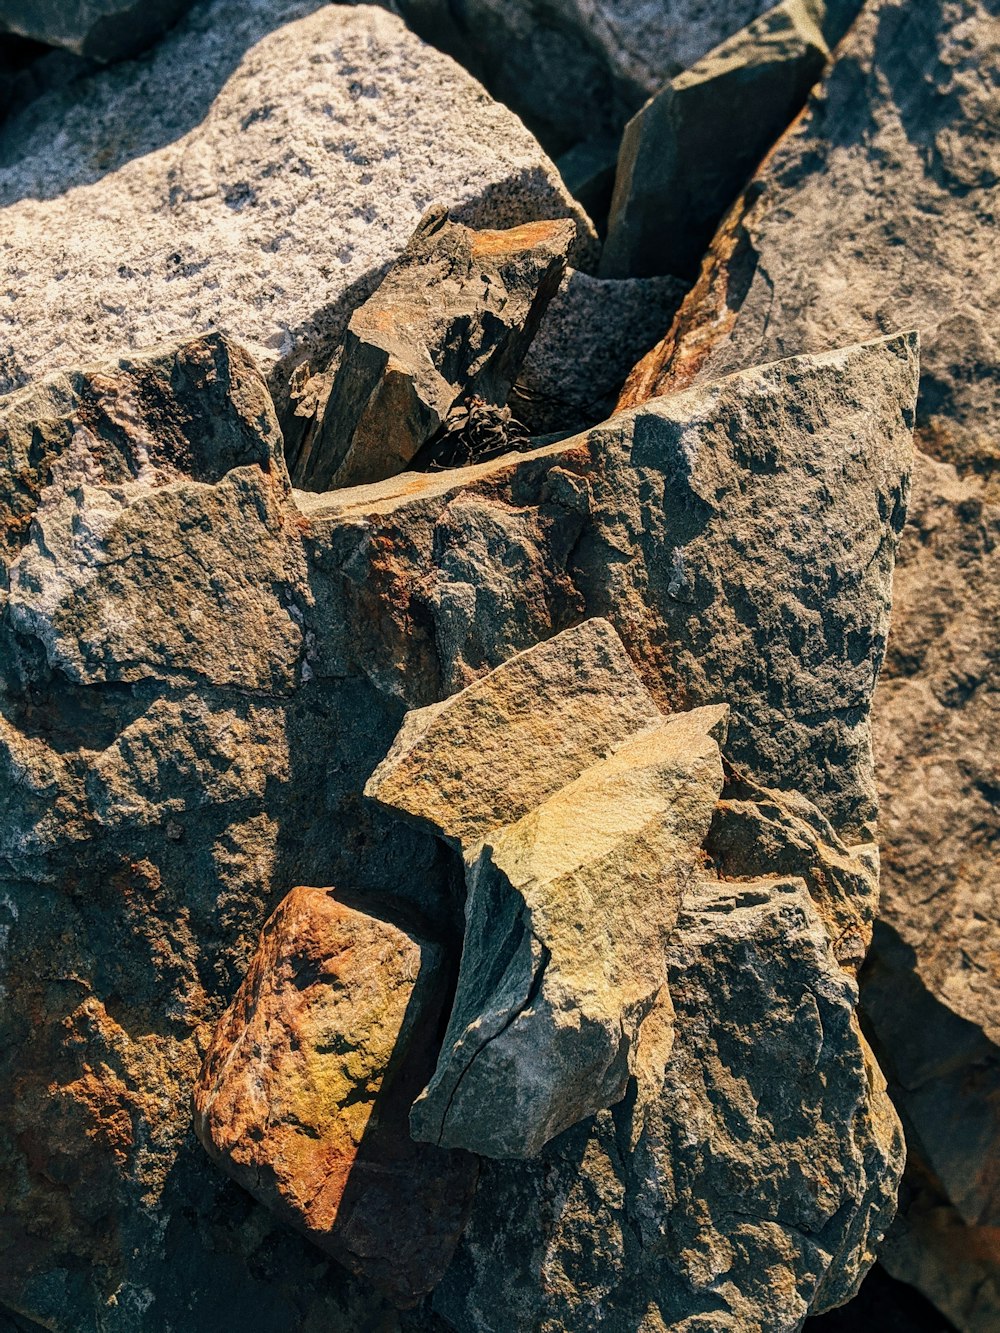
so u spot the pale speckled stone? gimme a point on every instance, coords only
(246, 176)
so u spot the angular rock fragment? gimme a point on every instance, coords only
(586, 346)
(493, 752)
(756, 832)
(452, 320)
(686, 155)
(102, 29)
(255, 175)
(306, 1086)
(762, 1179)
(562, 994)
(574, 69)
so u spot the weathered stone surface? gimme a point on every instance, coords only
(306, 1086)
(562, 994)
(687, 154)
(491, 753)
(135, 873)
(250, 177)
(760, 1182)
(103, 29)
(893, 172)
(451, 320)
(756, 831)
(588, 342)
(576, 68)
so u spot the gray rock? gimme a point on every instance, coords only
(877, 210)
(103, 29)
(574, 69)
(589, 340)
(687, 154)
(254, 175)
(562, 994)
(759, 1182)
(450, 321)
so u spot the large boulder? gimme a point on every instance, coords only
(168, 780)
(255, 176)
(875, 211)
(102, 29)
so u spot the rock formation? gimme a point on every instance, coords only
(440, 828)
(877, 210)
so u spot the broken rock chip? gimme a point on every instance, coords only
(686, 155)
(562, 994)
(306, 1087)
(253, 174)
(497, 749)
(451, 320)
(764, 1173)
(756, 831)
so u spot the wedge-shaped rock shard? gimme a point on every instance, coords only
(562, 994)
(451, 320)
(687, 154)
(306, 1086)
(491, 753)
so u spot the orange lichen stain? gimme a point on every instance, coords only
(525, 237)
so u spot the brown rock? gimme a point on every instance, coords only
(451, 321)
(308, 1080)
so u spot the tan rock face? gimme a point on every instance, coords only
(305, 1089)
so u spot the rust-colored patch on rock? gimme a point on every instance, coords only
(307, 1085)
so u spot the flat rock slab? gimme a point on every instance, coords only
(497, 749)
(451, 320)
(101, 29)
(305, 1089)
(687, 154)
(562, 995)
(253, 175)
(762, 1177)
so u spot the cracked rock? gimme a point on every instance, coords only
(450, 323)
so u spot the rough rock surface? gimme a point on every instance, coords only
(687, 154)
(879, 210)
(562, 991)
(576, 68)
(494, 751)
(589, 340)
(171, 782)
(249, 177)
(308, 1081)
(763, 1175)
(450, 321)
(103, 29)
